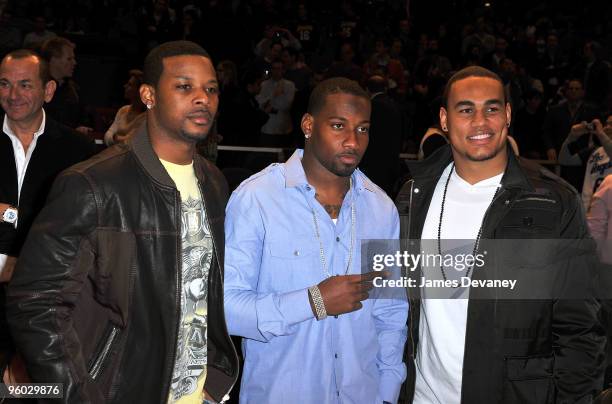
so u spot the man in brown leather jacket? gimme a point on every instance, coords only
(118, 295)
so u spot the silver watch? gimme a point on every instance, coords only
(10, 215)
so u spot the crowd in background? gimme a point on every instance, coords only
(553, 59)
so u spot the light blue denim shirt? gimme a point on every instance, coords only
(272, 256)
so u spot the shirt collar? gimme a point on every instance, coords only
(295, 175)
(41, 129)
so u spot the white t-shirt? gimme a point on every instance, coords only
(439, 360)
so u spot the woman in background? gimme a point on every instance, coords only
(129, 116)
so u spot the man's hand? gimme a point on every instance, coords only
(3, 208)
(121, 138)
(578, 130)
(599, 130)
(6, 273)
(16, 371)
(86, 130)
(343, 294)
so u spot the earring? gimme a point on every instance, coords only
(508, 124)
(444, 128)
(307, 135)
(149, 106)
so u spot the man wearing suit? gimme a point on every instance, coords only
(33, 150)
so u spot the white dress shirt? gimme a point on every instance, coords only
(22, 159)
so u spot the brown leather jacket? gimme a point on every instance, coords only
(94, 302)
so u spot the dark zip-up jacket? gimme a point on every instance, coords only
(518, 351)
(95, 299)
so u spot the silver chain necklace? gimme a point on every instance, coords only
(318, 234)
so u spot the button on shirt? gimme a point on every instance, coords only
(272, 256)
(22, 158)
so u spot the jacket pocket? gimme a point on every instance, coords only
(532, 222)
(529, 380)
(103, 352)
(113, 277)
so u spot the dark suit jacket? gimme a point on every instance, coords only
(381, 161)
(56, 149)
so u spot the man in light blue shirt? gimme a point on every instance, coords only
(293, 284)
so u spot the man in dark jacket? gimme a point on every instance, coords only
(66, 106)
(381, 162)
(118, 294)
(481, 348)
(33, 150)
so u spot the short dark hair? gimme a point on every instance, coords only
(335, 85)
(470, 71)
(43, 64)
(154, 62)
(54, 47)
(376, 84)
(576, 79)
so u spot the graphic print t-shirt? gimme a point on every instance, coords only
(189, 371)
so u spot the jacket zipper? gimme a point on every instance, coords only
(410, 208)
(484, 219)
(226, 395)
(483, 222)
(98, 365)
(410, 320)
(535, 198)
(179, 278)
(114, 385)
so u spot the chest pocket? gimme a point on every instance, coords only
(292, 264)
(297, 248)
(531, 216)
